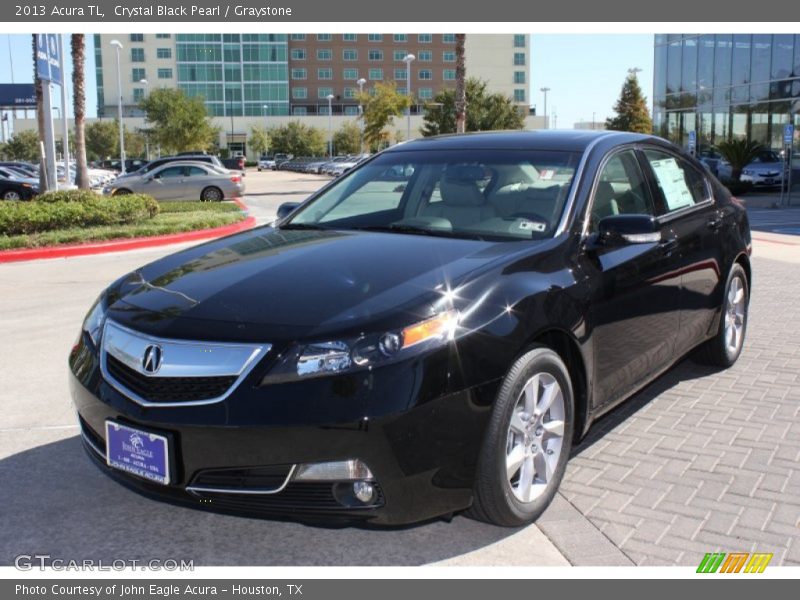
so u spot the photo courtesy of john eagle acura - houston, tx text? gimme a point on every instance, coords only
(429, 333)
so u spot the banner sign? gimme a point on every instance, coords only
(48, 65)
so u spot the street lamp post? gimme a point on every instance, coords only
(361, 83)
(146, 85)
(409, 58)
(118, 46)
(544, 90)
(330, 125)
(264, 113)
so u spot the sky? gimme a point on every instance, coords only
(584, 72)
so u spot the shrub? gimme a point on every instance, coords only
(74, 208)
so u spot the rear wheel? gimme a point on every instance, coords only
(527, 443)
(211, 194)
(725, 347)
(122, 192)
(12, 195)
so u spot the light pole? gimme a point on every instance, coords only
(265, 112)
(330, 125)
(146, 85)
(361, 83)
(118, 46)
(409, 58)
(544, 90)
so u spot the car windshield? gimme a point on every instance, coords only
(767, 156)
(481, 194)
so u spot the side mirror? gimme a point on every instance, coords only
(285, 209)
(618, 230)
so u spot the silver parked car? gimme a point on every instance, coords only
(182, 180)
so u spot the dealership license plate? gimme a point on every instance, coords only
(137, 452)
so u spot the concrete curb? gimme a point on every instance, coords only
(120, 245)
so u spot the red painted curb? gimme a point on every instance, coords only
(120, 245)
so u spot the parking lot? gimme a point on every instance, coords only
(699, 461)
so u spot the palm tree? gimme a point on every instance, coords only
(78, 46)
(39, 116)
(461, 87)
(739, 153)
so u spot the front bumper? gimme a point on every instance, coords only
(421, 444)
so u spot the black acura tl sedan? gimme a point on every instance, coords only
(428, 334)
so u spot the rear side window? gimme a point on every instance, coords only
(197, 171)
(681, 185)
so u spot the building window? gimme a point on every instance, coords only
(137, 37)
(349, 92)
(299, 110)
(299, 74)
(138, 94)
(519, 95)
(351, 110)
(425, 93)
(325, 73)
(449, 74)
(138, 74)
(163, 52)
(298, 53)
(324, 54)
(299, 93)
(519, 40)
(519, 77)
(519, 59)
(425, 74)
(375, 37)
(425, 38)
(165, 73)
(350, 74)
(324, 92)
(137, 54)
(375, 55)
(401, 91)
(448, 56)
(350, 54)
(449, 38)
(400, 74)
(399, 55)
(376, 74)
(324, 37)
(400, 38)
(350, 37)
(425, 56)
(298, 37)
(163, 36)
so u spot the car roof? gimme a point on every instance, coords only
(188, 163)
(541, 139)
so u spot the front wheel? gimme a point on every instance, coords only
(527, 443)
(725, 347)
(12, 195)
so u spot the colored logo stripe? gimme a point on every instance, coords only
(735, 561)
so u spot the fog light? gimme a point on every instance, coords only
(345, 470)
(364, 491)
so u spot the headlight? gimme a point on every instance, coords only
(94, 321)
(748, 172)
(332, 357)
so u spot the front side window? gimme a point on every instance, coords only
(621, 189)
(680, 184)
(171, 173)
(502, 195)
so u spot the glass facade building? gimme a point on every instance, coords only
(236, 74)
(726, 86)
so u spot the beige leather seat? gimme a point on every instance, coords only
(462, 202)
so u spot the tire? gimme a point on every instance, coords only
(501, 497)
(724, 348)
(122, 192)
(212, 194)
(13, 195)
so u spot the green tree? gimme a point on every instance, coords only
(78, 47)
(487, 112)
(259, 139)
(380, 108)
(135, 143)
(298, 139)
(23, 146)
(739, 153)
(102, 139)
(177, 122)
(631, 109)
(347, 139)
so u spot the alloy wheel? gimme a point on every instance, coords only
(735, 315)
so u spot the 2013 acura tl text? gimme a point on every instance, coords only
(430, 333)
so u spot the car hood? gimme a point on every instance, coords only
(299, 280)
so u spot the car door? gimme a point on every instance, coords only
(685, 202)
(197, 179)
(168, 184)
(633, 304)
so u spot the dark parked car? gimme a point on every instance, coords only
(393, 350)
(238, 163)
(14, 189)
(155, 163)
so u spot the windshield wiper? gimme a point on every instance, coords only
(304, 226)
(415, 230)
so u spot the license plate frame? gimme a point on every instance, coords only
(138, 452)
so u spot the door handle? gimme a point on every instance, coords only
(714, 223)
(667, 247)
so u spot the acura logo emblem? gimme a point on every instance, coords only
(151, 362)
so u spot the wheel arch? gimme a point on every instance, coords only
(744, 260)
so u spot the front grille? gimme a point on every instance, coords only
(259, 478)
(168, 389)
